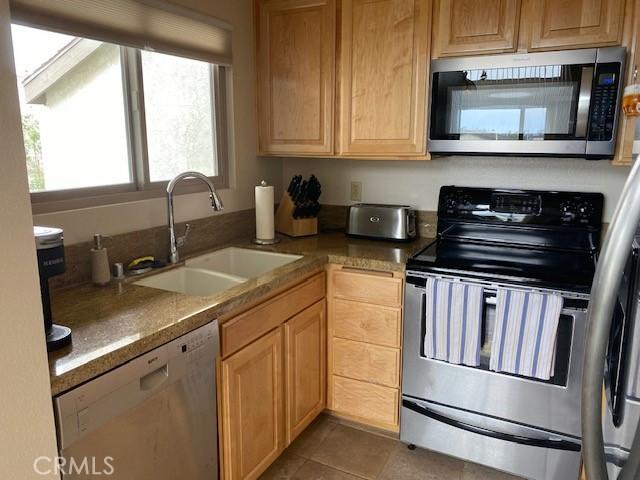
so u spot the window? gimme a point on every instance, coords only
(180, 127)
(100, 118)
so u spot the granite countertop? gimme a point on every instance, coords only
(353, 252)
(114, 324)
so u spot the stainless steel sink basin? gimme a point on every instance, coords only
(217, 271)
(192, 281)
(241, 262)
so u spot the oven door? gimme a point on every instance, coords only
(552, 405)
(514, 104)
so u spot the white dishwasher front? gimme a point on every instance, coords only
(151, 418)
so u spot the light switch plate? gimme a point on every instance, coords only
(356, 191)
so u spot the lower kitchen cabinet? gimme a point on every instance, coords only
(272, 384)
(253, 407)
(365, 402)
(305, 361)
(364, 357)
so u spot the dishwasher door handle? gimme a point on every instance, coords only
(154, 379)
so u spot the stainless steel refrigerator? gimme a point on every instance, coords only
(611, 438)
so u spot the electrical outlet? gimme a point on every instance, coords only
(356, 191)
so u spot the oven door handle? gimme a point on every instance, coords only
(533, 442)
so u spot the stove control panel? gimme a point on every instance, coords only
(543, 208)
(581, 212)
(517, 203)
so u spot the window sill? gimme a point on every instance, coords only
(45, 202)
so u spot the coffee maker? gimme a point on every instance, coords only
(50, 250)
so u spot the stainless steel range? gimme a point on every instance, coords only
(527, 243)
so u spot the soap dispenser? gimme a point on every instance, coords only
(100, 274)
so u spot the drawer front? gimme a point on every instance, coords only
(252, 324)
(367, 323)
(371, 363)
(365, 401)
(366, 287)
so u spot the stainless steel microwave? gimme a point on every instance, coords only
(552, 103)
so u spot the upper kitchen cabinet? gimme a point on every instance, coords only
(296, 79)
(468, 27)
(384, 59)
(563, 24)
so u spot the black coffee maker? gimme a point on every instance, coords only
(50, 250)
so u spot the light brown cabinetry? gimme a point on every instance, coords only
(383, 77)
(365, 329)
(272, 378)
(296, 65)
(253, 407)
(376, 77)
(366, 362)
(365, 402)
(306, 359)
(470, 27)
(560, 24)
(466, 27)
(384, 66)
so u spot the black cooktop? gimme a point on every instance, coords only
(538, 238)
(552, 269)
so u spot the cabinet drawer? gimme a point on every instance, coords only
(366, 287)
(250, 325)
(371, 363)
(373, 403)
(367, 323)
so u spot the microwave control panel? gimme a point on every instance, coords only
(604, 98)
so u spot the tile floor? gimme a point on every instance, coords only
(328, 450)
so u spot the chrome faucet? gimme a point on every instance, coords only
(216, 204)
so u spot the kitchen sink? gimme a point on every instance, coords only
(192, 281)
(217, 271)
(241, 262)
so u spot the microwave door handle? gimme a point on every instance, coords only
(552, 443)
(584, 100)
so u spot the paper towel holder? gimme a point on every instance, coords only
(269, 241)
(265, 241)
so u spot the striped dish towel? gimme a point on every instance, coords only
(524, 337)
(453, 319)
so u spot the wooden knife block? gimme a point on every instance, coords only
(294, 227)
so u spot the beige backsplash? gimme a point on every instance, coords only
(206, 233)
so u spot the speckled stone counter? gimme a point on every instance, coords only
(354, 252)
(114, 324)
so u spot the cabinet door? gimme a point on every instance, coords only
(296, 63)
(253, 407)
(383, 77)
(465, 27)
(559, 24)
(306, 360)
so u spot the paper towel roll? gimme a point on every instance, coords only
(265, 229)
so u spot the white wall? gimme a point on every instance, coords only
(26, 418)
(418, 183)
(247, 170)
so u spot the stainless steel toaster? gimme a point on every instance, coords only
(388, 222)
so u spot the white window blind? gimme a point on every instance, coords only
(146, 24)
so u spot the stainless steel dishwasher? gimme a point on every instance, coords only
(152, 418)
